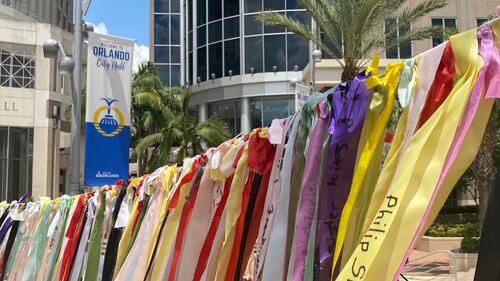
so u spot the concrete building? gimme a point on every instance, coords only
(240, 70)
(33, 140)
(57, 13)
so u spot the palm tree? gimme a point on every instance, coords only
(357, 28)
(146, 85)
(175, 126)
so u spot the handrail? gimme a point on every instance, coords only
(452, 264)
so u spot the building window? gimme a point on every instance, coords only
(264, 110)
(252, 25)
(253, 54)
(175, 75)
(252, 6)
(232, 57)
(297, 46)
(332, 47)
(16, 162)
(480, 21)
(232, 28)
(215, 31)
(176, 30)
(215, 60)
(229, 112)
(175, 55)
(274, 5)
(201, 36)
(161, 54)
(231, 7)
(201, 10)
(275, 53)
(202, 64)
(175, 6)
(164, 73)
(393, 33)
(162, 28)
(293, 4)
(215, 10)
(161, 6)
(273, 28)
(17, 70)
(449, 26)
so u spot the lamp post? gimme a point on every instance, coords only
(316, 57)
(74, 177)
(80, 28)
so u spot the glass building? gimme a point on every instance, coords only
(166, 50)
(238, 69)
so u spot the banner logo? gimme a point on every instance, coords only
(108, 125)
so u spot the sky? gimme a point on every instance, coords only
(123, 18)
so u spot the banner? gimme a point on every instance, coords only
(107, 120)
(302, 93)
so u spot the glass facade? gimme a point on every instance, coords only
(227, 111)
(230, 41)
(16, 162)
(167, 40)
(264, 110)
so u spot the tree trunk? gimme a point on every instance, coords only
(350, 70)
(484, 168)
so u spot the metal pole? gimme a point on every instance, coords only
(74, 182)
(313, 76)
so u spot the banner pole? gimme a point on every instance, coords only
(74, 182)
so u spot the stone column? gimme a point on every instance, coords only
(202, 112)
(245, 115)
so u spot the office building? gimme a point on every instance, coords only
(34, 129)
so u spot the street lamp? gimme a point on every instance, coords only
(51, 49)
(316, 57)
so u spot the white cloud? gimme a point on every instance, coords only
(100, 28)
(141, 52)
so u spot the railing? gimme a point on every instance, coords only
(425, 268)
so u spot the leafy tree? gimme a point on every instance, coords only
(356, 28)
(175, 126)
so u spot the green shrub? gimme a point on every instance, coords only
(456, 230)
(470, 243)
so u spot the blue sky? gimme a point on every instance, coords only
(124, 18)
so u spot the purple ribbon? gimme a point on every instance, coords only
(8, 222)
(349, 106)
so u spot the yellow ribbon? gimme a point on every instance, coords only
(168, 176)
(172, 223)
(389, 81)
(234, 202)
(382, 248)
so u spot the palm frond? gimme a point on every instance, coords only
(148, 141)
(409, 15)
